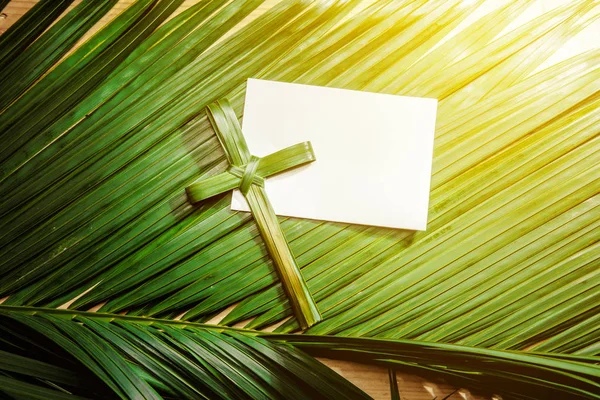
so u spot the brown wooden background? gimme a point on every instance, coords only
(371, 379)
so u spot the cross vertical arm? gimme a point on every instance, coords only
(247, 173)
(301, 301)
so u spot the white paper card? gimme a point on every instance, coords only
(374, 153)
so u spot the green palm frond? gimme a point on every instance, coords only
(510, 374)
(145, 359)
(27, 29)
(96, 156)
(141, 357)
(30, 64)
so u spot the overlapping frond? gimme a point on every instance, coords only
(107, 355)
(56, 355)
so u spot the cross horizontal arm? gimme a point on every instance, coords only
(290, 157)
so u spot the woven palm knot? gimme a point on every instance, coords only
(248, 175)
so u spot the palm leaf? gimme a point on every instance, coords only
(182, 359)
(97, 153)
(511, 374)
(144, 358)
(26, 30)
(26, 67)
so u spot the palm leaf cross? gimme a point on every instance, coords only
(247, 172)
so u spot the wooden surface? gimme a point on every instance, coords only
(372, 379)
